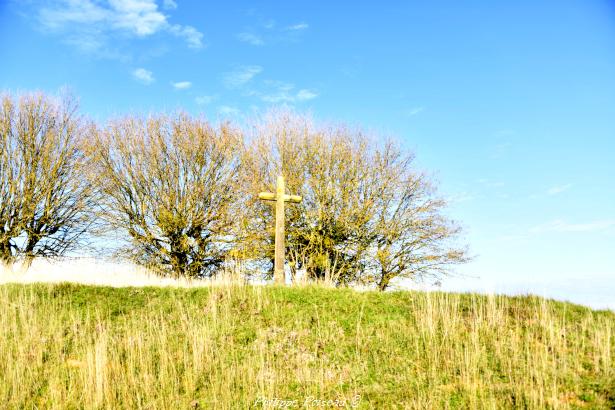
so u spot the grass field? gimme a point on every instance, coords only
(73, 346)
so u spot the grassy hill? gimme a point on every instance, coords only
(69, 346)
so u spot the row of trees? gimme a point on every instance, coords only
(179, 195)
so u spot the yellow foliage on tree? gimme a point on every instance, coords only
(169, 183)
(367, 215)
(45, 201)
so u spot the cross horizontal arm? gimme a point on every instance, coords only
(293, 198)
(270, 196)
(267, 196)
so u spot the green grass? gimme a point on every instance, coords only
(69, 346)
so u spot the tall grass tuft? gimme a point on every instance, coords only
(73, 346)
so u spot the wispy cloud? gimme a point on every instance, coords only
(90, 25)
(559, 225)
(414, 111)
(558, 189)
(182, 85)
(304, 95)
(241, 76)
(192, 36)
(282, 92)
(169, 4)
(144, 76)
(264, 31)
(204, 99)
(250, 38)
(228, 110)
(298, 26)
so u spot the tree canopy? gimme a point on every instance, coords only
(180, 195)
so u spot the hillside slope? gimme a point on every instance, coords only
(73, 346)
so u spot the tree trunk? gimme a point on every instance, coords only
(385, 279)
(6, 256)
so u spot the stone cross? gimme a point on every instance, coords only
(279, 197)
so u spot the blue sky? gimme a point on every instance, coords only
(511, 105)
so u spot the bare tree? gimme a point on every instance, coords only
(323, 234)
(44, 198)
(169, 183)
(412, 238)
(366, 216)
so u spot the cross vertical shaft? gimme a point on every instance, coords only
(278, 272)
(279, 197)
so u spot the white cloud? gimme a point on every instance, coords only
(559, 225)
(72, 12)
(140, 17)
(89, 24)
(299, 26)
(281, 92)
(250, 38)
(304, 95)
(182, 85)
(193, 37)
(558, 189)
(278, 91)
(241, 76)
(414, 111)
(89, 43)
(169, 4)
(143, 75)
(266, 32)
(204, 99)
(228, 110)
